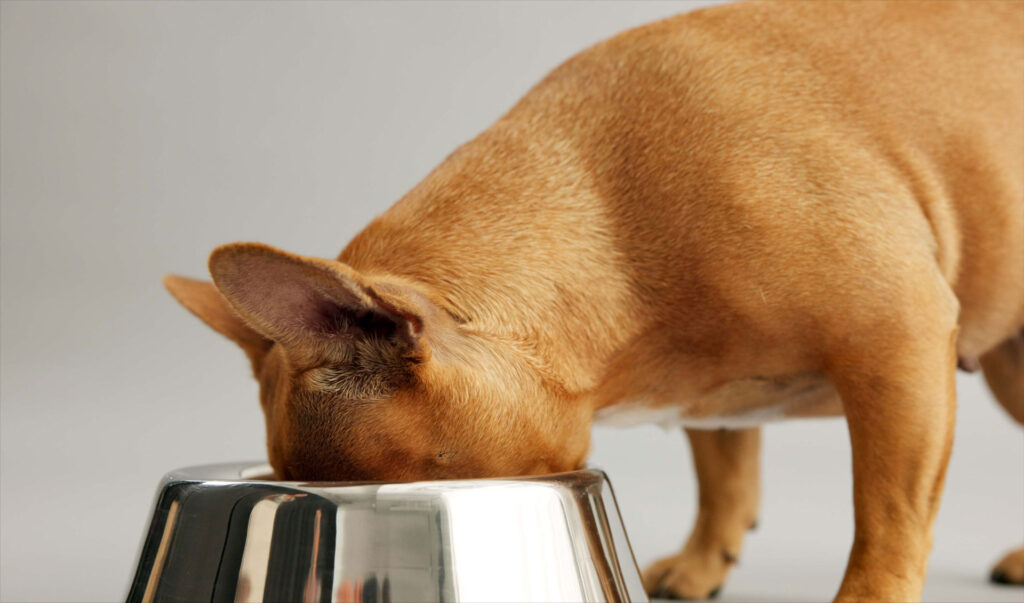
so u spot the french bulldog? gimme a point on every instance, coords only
(742, 214)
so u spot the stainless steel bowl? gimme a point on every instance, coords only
(223, 533)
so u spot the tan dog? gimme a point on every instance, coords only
(744, 213)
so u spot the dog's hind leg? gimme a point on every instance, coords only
(1003, 367)
(727, 464)
(1004, 372)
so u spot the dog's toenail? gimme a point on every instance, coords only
(753, 525)
(999, 577)
(714, 593)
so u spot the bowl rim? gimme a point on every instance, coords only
(253, 472)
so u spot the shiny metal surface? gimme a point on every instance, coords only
(218, 534)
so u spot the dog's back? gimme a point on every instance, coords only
(728, 162)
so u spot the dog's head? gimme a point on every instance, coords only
(363, 377)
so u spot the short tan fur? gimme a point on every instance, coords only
(748, 212)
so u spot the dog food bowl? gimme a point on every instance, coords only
(224, 533)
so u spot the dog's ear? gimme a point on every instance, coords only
(205, 301)
(312, 304)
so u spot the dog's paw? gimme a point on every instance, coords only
(687, 576)
(1010, 569)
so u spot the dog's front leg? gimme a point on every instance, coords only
(727, 475)
(899, 399)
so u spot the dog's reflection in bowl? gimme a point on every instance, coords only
(230, 533)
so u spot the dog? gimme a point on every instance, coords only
(746, 213)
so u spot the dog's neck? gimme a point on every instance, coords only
(504, 235)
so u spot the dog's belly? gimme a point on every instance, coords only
(734, 405)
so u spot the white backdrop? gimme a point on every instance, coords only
(136, 137)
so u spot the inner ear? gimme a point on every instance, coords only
(308, 302)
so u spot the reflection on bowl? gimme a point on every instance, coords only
(218, 533)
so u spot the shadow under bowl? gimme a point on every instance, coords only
(220, 533)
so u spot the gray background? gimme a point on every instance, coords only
(136, 137)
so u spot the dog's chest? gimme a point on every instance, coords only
(734, 405)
